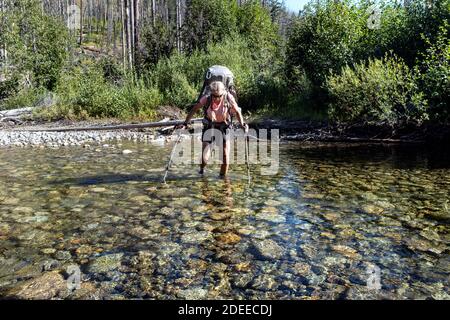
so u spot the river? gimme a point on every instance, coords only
(336, 222)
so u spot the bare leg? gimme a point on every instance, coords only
(206, 151)
(226, 159)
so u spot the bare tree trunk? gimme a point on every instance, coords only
(129, 34)
(136, 27)
(133, 30)
(109, 22)
(178, 24)
(154, 13)
(81, 21)
(124, 41)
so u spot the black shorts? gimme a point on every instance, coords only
(222, 127)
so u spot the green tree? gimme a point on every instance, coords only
(255, 22)
(158, 42)
(208, 21)
(36, 43)
(323, 39)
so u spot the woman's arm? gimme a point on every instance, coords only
(191, 114)
(238, 112)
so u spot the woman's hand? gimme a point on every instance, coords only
(245, 127)
(184, 125)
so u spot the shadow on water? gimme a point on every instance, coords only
(124, 178)
(108, 179)
(396, 156)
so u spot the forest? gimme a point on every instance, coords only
(343, 61)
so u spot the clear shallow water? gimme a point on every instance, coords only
(312, 231)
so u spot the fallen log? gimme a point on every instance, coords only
(15, 112)
(114, 127)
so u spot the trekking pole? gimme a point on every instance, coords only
(171, 156)
(247, 156)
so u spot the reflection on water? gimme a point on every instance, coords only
(312, 231)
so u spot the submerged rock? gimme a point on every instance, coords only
(346, 251)
(195, 237)
(105, 263)
(193, 294)
(228, 238)
(50, 285)
(268, 249)
(271, 214)
(63, 255)
(371, 209)
(301, 268)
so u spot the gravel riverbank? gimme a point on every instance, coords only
(58, 139)
(19, 136)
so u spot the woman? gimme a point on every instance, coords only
(218, 108)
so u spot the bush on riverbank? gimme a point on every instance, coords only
(87, 91)
(435, 68)
(380, 91)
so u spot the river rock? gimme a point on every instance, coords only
(50, 285)
(228, 238)
(271, 214)
(141, 232)
(243, 267)
(26, 210)
(301, 268)
(264, 282)
(346, 251)
(11, 201)
(105, 263)
(218, 216)
(268, 249)
(193, 294)
(48, 250)
(195, 237)
(63, 255)
(372, 209)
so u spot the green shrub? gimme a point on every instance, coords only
(9, 88)
(380, 91)
(435, 68)
(84, 91)
(27, 97)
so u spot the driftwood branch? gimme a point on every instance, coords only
(115, 127)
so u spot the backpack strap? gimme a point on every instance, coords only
(227, 105)
(206, 106)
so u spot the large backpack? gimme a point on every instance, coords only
(218, 73)
(224, 75)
